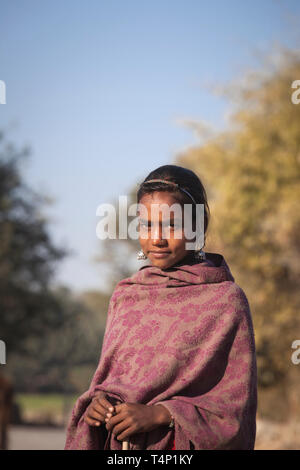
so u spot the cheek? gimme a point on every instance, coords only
(179, 245)
(142, 241)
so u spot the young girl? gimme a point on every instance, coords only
(178, 365)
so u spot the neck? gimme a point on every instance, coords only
(189, 258)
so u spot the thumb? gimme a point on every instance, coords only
(119, 406)
(118, 402)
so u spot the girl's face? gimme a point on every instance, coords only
(161, 247)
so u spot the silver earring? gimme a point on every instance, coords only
(141, 255)
(199, 254)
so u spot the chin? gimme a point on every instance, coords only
(162, 264)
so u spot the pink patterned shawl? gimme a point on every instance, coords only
(182, 337)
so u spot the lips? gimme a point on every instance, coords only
(160, 254)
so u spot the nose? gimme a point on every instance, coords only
(157, 236)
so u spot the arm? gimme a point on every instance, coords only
(163, 416)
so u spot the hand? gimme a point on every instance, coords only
(97, 410)
(133, 418)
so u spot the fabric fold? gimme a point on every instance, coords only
(183, 338)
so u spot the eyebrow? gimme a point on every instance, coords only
(171, 219)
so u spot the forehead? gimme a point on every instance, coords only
(159, 197)
(155, 203)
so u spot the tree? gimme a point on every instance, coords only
(64, 359)
(252, 173)
(27, 257)
(53, 337)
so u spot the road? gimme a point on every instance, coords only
(269, 435)
(36, 438)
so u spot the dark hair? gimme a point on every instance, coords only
(186, 179)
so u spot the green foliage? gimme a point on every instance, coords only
(252, 172)
(27, 257)
(64, 359)
(53, 337)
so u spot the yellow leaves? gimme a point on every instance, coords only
(252, 170)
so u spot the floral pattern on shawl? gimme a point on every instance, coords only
(181, 337)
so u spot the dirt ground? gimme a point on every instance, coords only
(36, 438)
(276, 436)
(269, 436)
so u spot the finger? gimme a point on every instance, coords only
(123, 431)
(112, 421)
(96, 405)
(94, 414)
(95, 410)
(120, 407)
(91, 421)
(105, 403)
(124, 436)
(120, 426)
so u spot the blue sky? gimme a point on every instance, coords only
(99, 91)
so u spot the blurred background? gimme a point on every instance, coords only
(98, 94)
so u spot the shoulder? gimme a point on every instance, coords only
(117, 292)
(235, 301)
(122, 288)
(235, 293)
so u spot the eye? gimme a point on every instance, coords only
(172, 225)
(143, 223)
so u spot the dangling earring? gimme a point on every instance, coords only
(199, 254)
(141, 255)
